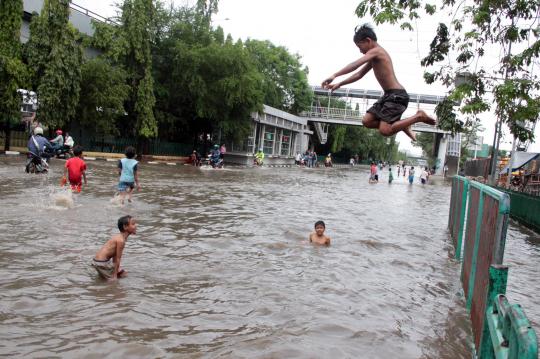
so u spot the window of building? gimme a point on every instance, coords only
(286, 140)
(269, 139)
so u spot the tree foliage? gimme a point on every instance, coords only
(459, 48)
(206, 83)
(103, 92)
(134, 45)
(346, 141)
(54, 56)
(285, 80)
(13, 72)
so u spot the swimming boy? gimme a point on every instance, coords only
(129, 176)
(385, 114)
(318, 237)
(75, 169)
(107, 259)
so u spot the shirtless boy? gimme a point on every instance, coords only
(107, 259)
(318, 236)
(385, 114)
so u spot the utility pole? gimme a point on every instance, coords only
(511, 163)
(498, 129)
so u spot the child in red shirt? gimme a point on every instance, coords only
(76, 170)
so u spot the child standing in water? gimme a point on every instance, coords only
(107, 259)
(129, 176)
(75, 169)
(411, 175)
(318, 237)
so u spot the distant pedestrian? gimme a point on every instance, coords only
(411, 175)
(398, 170)
(390, 175)
(424, 176)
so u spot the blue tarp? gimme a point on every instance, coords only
(520, 160)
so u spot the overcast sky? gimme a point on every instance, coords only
(321, 33)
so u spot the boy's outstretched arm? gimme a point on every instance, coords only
(349, 68)
(354, 77)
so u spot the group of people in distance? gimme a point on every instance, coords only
(374, 173)
(384, 115)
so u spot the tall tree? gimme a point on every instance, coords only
(103, 92)
(54, 56)
(12, 70)
(285, 80)
(205, 84)
(459, 47)
(136, 36)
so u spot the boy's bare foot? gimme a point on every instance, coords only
(129, 200)
(425, 118)
(410, 133)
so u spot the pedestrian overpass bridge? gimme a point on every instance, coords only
(357, 101)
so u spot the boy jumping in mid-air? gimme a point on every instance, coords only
(129, 176)
(76, 170)
(385, 114)
(107, 259)
(318, 237)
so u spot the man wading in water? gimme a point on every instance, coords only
(385, 114)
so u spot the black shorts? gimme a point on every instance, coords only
(391, 106)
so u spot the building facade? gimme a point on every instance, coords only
(279, 134)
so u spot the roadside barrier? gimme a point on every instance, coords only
(458, 206)
(499, 330)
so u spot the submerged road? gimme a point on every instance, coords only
(220, 266)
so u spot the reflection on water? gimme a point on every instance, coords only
(221, 267)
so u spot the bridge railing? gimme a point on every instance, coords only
(483, 277)
(333, 113)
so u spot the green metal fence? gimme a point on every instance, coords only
(154, 147)
(458, 207)
(500, 331)
(525, 209)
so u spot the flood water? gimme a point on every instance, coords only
(220, 266)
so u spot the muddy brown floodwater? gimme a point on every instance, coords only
(220, 267)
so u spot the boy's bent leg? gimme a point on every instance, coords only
(401, 125)
(370, 121)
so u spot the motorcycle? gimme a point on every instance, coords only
(36, 164)
(63, 152)
(215, 162)
(257, 162)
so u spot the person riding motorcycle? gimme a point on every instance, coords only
(58, 141)
(38, 145)
(69, 142)
(215, 159)
(259, 157)
(328, 161)
(37, 152)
